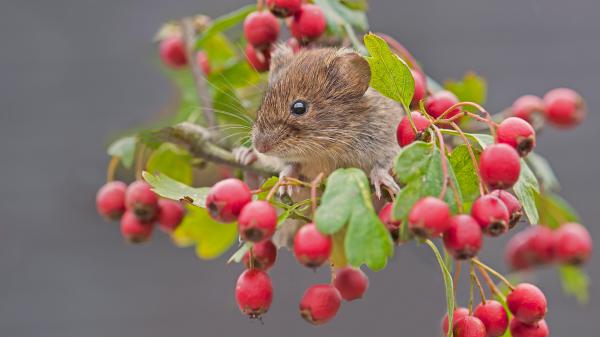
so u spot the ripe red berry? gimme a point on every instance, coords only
(515, 210)
(261, 29)
(405, 133)
(308, 24)
(564, 107)
(257, 221)
(463, 238)
(500, 166)
(459, 313)
(493, 315)
(393, 226)
(172, 52)
(469, 326)
(226, 199)
(525, 107)
(527, 303)
(320, 303)
(203, 62)
(491, 214)
(352, 283)
(133, 229)
(141, 200)
(420, 87)
(110, 200)
(441, 101)
(517, 133)
(520, 329)
(311, 247)
(540, 244)
(429, 217)
(264, 255)
(572, 244)
(516, 252)
(170, 214)
(258, 59)
(284, 8)
(254, 292)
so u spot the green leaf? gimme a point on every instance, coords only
(448, 284)
(472, 88)
(172, 189)
(526, 189)
(188, 104)
(219, 50)
(239, 254)
(389, 74)
(346, 203)
(479, 139)
(463, 167)
(236, 75)
(413, 160)
(361, 5)
(338, 15)
(171, 161)
(554, 211)
(266, 188)
(124, 148)
(543, 171)
(224, 23)
(575, 282)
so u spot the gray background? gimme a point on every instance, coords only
(74, 71)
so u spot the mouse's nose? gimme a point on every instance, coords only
(261, 144)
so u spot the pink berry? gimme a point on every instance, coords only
(441, 101)
(393, 226)
(469, 326)
(308, 24)
(257, 221)
(564, 107)
(170, 214)
(520, 329)
(517, 133)
(311, 247)
(500, 166)
(264, 255)
(517, 253)
(203, 62)
(110, 200)
(515, 210)
(133, 229)
(463, 238)
(172, 52)
(491, 214)
(420, 87)
(261, 29)
(258, 59)
(540, 244)
(525, 107)
(284, 8)
(254, 292)
(572, 244)
(459, 313)
(141, 200)
(226, 199)
(405, 133)
(493, 316)
(429, 217)
(527, 303)
(320, 303)
(352, 283)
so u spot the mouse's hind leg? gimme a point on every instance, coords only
(382, 177)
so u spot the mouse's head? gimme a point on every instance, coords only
(313, 102)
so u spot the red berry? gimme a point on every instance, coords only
(308, 24)
(520, 329)
(420, 87)
(464, 238)
(515, 210)
(311, 247)
(572, 244)
(261, 29)
(564, 107)
(469, 326)
(393, 226)
(259, 60)
(500, 166)
(257, 221)
(352, 283)
(226, 199)
(429, 217)
(254, 292)
(320, 303)
(133, 229)
(110, 200)
(405, 133)
(284, 8)
(515, 253)
(459, 313)
(264, 255)
(439, 102)
(491, 214)
(141, 200)
(527, 303)
(203, 62)
(517, 133)
(170, 214)
(172, 52)
(493, 315)
(526, 106)
(540, 244)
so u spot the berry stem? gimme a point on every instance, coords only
(139, 161)
(475, 279)
(260, 4)
(457, 270)
(444, 162)
(493, 272)
(491, 284)
(313, 192)
(251, 257)
(471, 292)
(471, 154)
(112, 168)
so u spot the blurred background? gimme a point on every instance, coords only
(72, 72)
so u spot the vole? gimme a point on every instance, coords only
(319, 114)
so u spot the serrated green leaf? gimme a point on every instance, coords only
(124, 148)
(413, 161)
(471, 88)
(543, 171)
(575, 282)
(171, 161)
(389, 74)
(172, 189)
(224, 23)
(463, 167)
(526, 189)
(479, 139)
(448, 285)
(554, 211)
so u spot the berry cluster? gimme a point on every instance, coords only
(561, 107)
(138, 208)
(173, 53)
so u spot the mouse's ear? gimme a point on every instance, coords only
(280, 58)
(353, 70)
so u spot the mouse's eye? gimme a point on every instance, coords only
(299, 107)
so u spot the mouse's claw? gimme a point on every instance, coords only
(381, 177)
(290, 171)
(245, 155)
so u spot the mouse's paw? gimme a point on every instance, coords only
(245, 155)
(290, 171)
(382, 177)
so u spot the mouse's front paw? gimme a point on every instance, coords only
(245, 155)
(290, 171)
(382, 177)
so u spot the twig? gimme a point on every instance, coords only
(476, 280)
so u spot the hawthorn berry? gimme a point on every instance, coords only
(226, 199)
(429, 217)
(420, 87)
(264, 255)
(393, 226)
(463, 238)
(311, 247)
(170, 214)
(517, 253)
(526, 106)
(469, 326)
(491, 214)
(540, 244)
(110, 200)
(308, 24)
(257, 221)
(320, 303)
(352, 283)
(405, 134)
(172, 52)
(500, 166)
(284, 8)
(564, 107)
(254, 292)
(203, 62)
(133, 229)
(515, 210)
(141, 200)
(261, 29)
(572, 244)
(493, 316)
(459, 313)
(527, 303)
(520, 329)
(441, 101)
(517, 133)
(258, 59)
